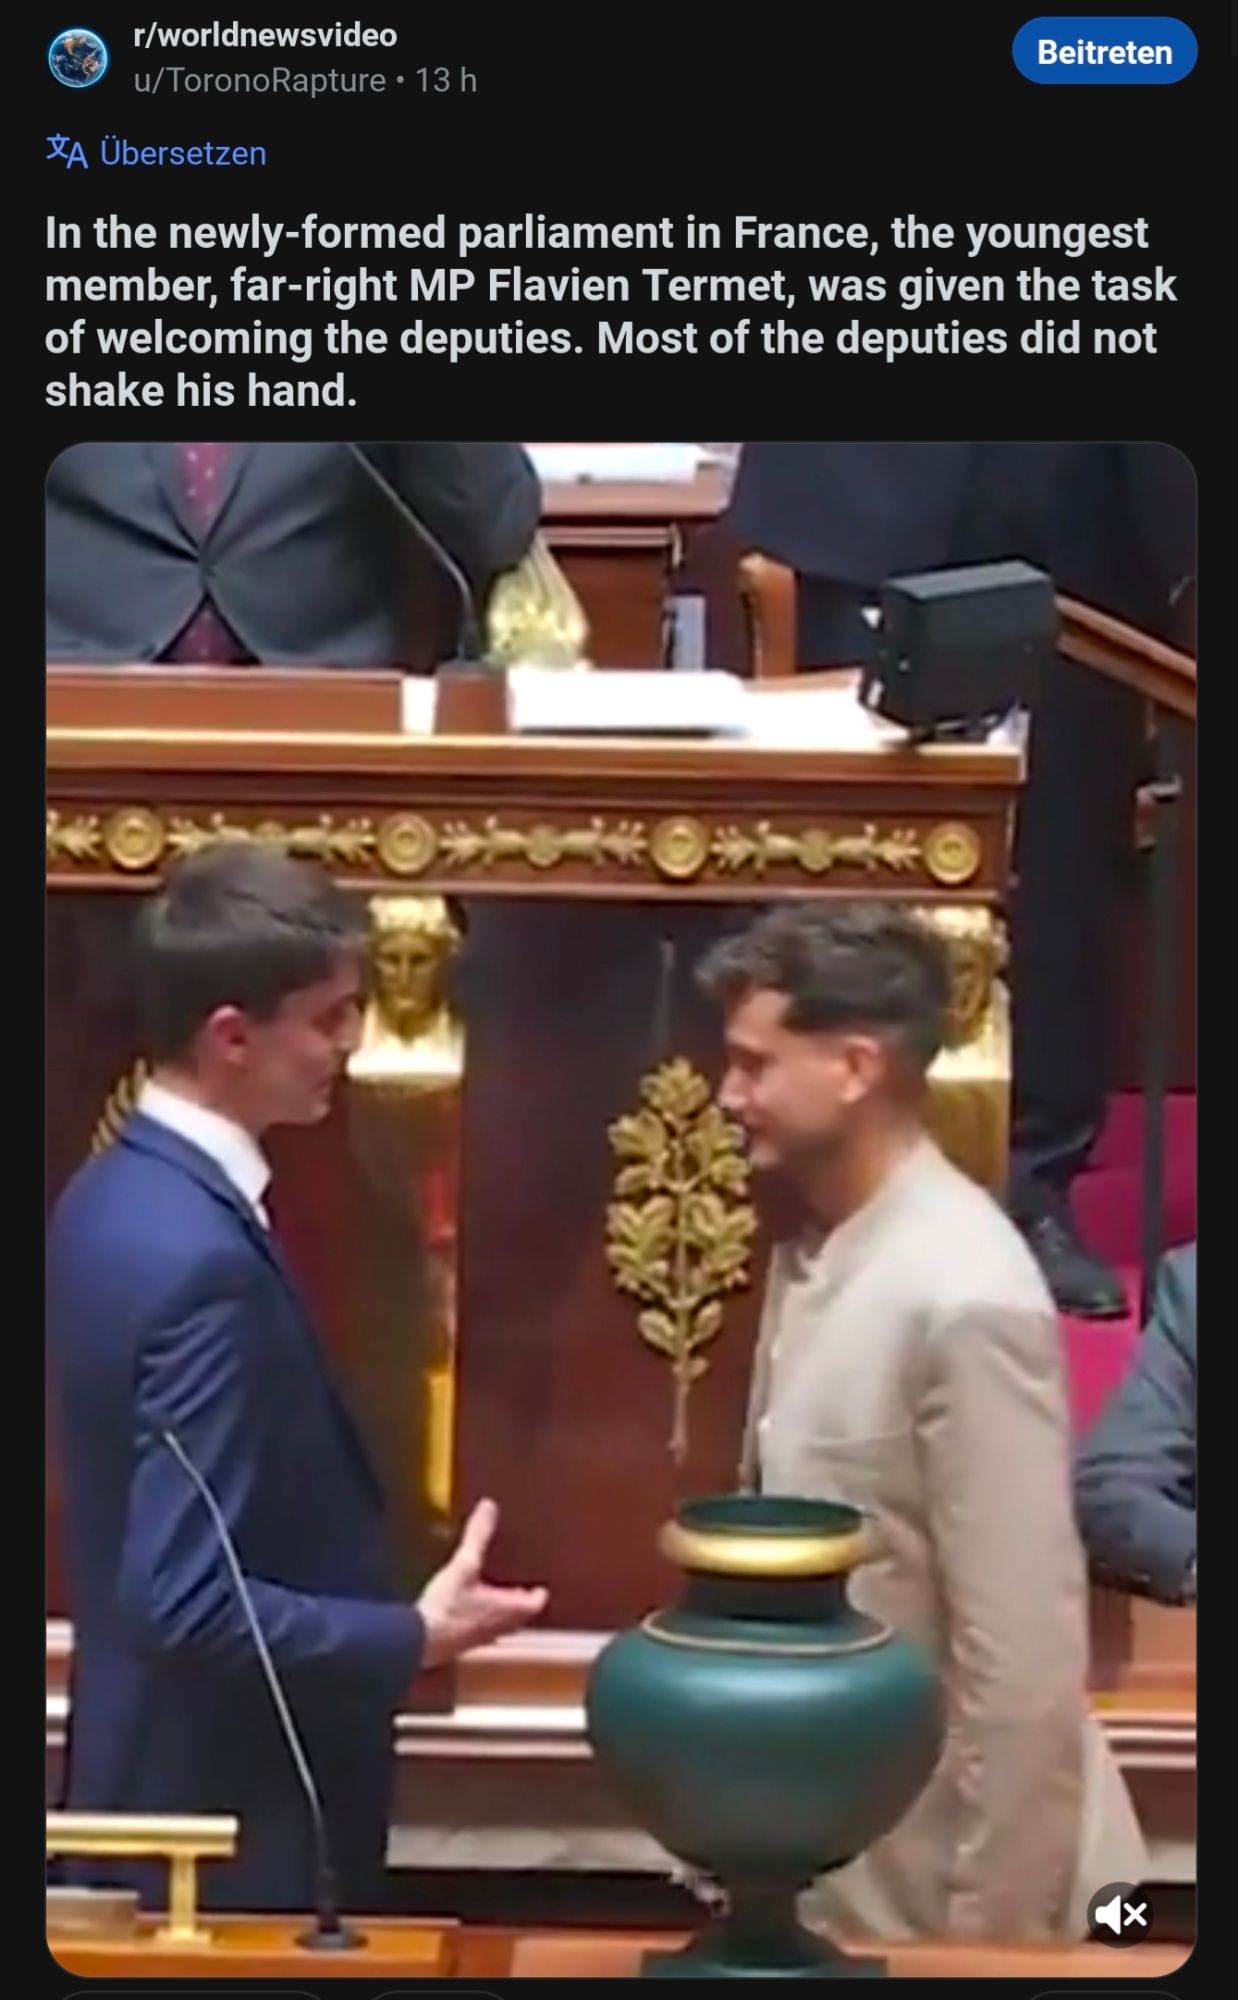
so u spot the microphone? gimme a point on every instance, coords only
(329, 1933)
(470, 651)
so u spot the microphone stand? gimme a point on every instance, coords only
(329, 1932)
(472, 697)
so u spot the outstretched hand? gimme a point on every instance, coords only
(459, 1609)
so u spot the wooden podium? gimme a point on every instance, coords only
(266, 1948)
(589, 875)
(624, 545)
(256, 1948)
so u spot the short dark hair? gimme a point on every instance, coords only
(237, 924)
(864, 965)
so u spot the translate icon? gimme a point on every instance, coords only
(1119, 1914)
(78, 57)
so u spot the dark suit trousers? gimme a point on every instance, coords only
(1072, 827)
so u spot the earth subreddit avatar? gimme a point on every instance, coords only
(78, 58)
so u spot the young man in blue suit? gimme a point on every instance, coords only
(178, 1339)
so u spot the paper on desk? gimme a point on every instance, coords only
(834, 718)
(575, 464)
(816, 718)
(417, 704)
(557, 702)
(637, 703)
(549, 701)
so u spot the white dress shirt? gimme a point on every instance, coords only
(234, 1150)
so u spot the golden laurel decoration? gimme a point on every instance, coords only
(122, 1102)
(542, 846)
(406, 844)
(816, 850)
(952, 854)
(350, 842)
(679, 1230)
(73, 839)
(679, 848)
(134, 839)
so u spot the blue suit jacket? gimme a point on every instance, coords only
(305, 559)
(169, 1306)
(1135, 1482)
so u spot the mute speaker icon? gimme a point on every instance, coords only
(1118, 1914)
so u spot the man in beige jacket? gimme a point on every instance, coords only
(909, 1362)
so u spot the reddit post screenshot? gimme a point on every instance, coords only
(619, 1219)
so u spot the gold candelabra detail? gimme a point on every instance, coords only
(679, 1229)
(182, 1841)
(534, 618)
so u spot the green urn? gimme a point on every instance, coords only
(764, 1730)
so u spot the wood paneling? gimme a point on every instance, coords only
(623, 547)
(564, 1411)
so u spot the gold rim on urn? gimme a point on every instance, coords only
(763, 1555)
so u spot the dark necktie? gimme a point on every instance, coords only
(206, 640)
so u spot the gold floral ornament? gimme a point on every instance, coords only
(534, 618)
(134, 839)
(952, 854)
(325, 839)
(815, 849)
(622, 843)
(407, 844)
(73, 839)
(121, 1104)
(679, 1230)
(679, 848)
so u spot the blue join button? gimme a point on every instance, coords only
(1105, 48)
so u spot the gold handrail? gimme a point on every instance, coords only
(181, 1840)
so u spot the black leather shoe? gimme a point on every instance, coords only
(1082, 1284)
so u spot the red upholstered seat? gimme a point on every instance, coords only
(1108, 1207)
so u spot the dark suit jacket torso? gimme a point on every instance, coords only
(169, 1304)
(307, 560)
(1135, 1480)
(1112, 523)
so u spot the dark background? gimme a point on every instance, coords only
(604, 114)
(629, 114)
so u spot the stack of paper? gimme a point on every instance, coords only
(834, 718)
(549, 701)
(638, 703)
(577, 464)
(816, 719)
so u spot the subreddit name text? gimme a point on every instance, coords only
(232, 35)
